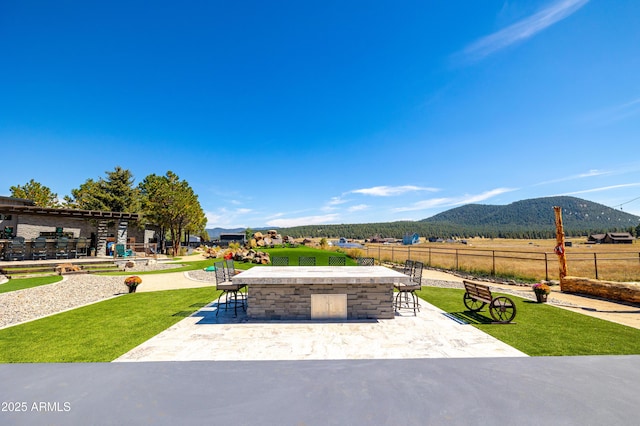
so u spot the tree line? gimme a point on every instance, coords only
(442, 230)
(162, 200)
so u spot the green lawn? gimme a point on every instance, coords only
(103, 331)
(322, 256)
(542, 329)
(22, 283)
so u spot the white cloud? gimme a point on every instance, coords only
(275, 216)
(470, 199)
(590, 173)
(358, 208)
(386, 191)
(335, 201)
(224, 218)
(523, 29)
(457, 201)
(603, 188)
(212, 219)
(425, 204)
(615, 113)
(300, 221)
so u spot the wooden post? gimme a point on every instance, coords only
(559, 249)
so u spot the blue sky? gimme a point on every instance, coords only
(292, 113)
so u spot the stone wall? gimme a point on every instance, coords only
(30, 226)
(611, 290)
(293, 301)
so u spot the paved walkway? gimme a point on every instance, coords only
(430, 334)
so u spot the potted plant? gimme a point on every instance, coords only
(541, 290)
(132, 282)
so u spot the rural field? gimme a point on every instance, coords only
(521, 259)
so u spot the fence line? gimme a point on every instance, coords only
(620, 266)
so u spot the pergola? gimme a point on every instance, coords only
(102, 218)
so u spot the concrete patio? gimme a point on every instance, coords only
(207, 337)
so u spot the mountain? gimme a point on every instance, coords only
(538, 213)
(214, 233)
(533, 218)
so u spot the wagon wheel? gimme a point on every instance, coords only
(502, 309)
(472, 304)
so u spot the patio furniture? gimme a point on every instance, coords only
(62, 248)
(279, 261)
(477, 295)
(82, 247)
(7, 233)
(230, 271)
(39, 248)
(306, 261)
(406, 295)
(231, 268)
(15, 249)
(337, 260)
(121, 251)
(365, 261)
(228, 288)
(304, 293)
(408, 267)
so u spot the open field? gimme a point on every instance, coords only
(530, 260)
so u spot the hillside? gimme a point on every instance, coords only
(538, 212)
(533, 218)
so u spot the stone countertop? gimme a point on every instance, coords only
(281, 275)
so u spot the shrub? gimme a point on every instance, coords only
(354, 253)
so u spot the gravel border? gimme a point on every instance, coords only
(201, 275)
(72, 292)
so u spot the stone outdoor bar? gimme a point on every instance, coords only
(320, 292)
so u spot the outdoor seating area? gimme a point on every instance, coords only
(122, 251)
(406, 292)
(477, 295)
(232, 292)
(43, 248)
(318, 292)
(335, 291)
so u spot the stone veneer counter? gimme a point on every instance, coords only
(320, 292)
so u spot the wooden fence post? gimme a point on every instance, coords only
(559, 249)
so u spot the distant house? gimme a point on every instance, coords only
(596, 238)
(618, 238)
(410, 239)
(611, 238)
(226, 239)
